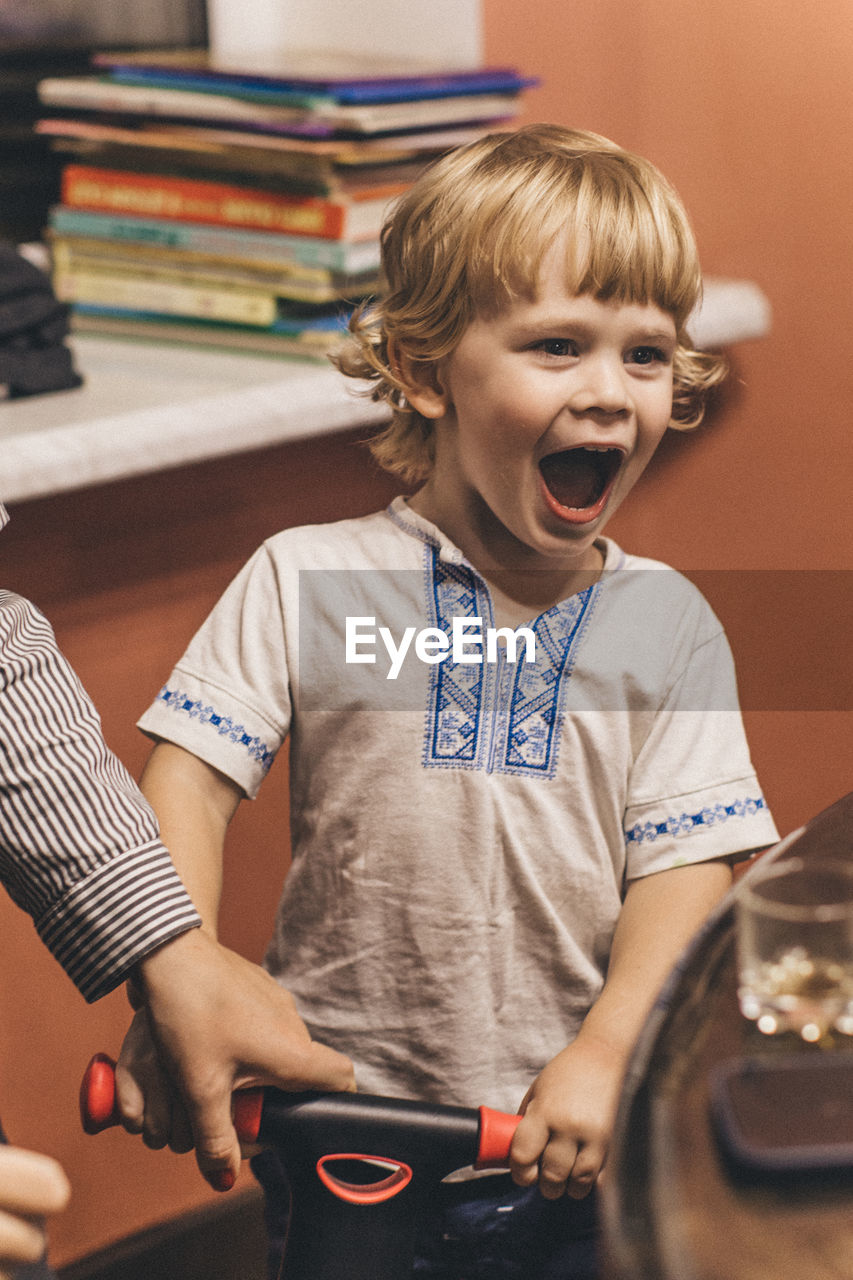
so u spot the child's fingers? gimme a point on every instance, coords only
(528, 1144)
(556, 1166)
(31, 1183)
(20, 1241)
(585, 1171)
(31, 1187)
(560, 1162)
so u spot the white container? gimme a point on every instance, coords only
(249, 34)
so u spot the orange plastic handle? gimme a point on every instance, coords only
(99, 1105)
(497, 1129)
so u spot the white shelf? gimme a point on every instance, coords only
(147, 406)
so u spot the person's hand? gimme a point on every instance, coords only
(32, 1187)
(149, 1103)
(567, 1119)
(218, 1023)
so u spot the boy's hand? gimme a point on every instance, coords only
(31, 1187)
(567, 1119)
(219, 1023)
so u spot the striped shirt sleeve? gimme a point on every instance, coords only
(80, 849)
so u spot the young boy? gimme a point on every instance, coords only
(501, 842)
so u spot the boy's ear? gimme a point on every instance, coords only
(422, 381)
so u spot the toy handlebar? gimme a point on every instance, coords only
(375, 1125)
(362, 1169)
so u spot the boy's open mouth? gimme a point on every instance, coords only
(577, 482)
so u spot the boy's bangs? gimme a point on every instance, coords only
(618, 246)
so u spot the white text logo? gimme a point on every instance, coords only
(466, 642)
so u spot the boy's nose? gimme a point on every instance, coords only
(600, 387)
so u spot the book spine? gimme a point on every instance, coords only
(85, 255)
(105, 288)
(262, 246)
(115, 321)
(188, 200)
(298, 284)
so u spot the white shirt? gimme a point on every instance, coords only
(462, 834)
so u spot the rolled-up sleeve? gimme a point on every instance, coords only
(80, 849)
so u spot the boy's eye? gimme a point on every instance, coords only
(648, 355)
(556, 347)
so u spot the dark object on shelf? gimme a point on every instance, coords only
(59, 38)
(33, 328)
(29, 168)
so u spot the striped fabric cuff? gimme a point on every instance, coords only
(109, 921)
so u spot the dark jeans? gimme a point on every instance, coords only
(486, 1229)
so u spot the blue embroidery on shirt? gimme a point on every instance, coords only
(502, 717)
(183, 703)
(685, 824)
(456, 689)
(540, 687)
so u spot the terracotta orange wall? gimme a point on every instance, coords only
(746, 107)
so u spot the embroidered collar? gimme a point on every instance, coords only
(402, 515)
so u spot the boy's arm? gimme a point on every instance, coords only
(194, 804)
(570, 1108)
(220, 1022)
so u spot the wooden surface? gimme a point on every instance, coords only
(672, 1210)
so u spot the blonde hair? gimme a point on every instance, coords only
(470, 236)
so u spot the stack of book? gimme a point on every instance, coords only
(242, 208)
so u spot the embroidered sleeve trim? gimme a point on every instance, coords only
(685, 824)
(182, 703)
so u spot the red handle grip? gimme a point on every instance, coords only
(497, 1129)
(99, 1105)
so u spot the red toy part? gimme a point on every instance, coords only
(497, 1130)
(247, 1106)
(98, 1103)
(399, 1175)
